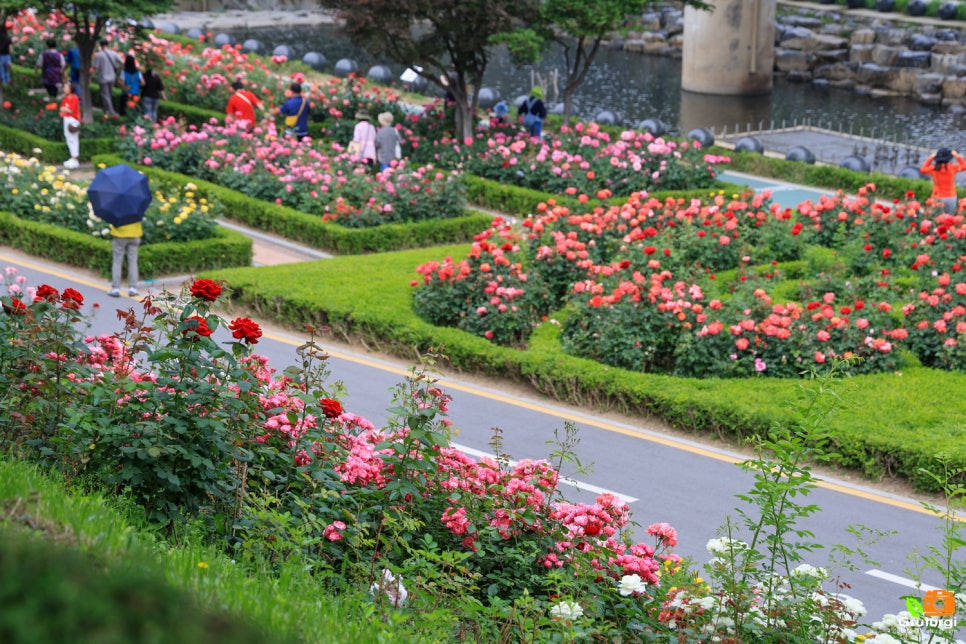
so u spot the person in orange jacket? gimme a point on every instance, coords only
(241, 106)
(943, 169)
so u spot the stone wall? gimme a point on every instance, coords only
(869, 55)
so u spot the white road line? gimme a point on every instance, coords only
(902, 581)
(587, 487)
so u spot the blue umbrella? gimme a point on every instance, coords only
(119, 195)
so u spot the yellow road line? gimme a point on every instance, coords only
(563, 415)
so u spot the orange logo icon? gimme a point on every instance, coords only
(939, 603)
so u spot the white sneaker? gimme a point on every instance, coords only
(133, 292)
(71, 164)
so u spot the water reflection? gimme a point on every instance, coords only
(639, 87)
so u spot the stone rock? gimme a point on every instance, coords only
(874, 75)
(800, 153)
(675, 26)
(954, 87)
(892, 36)
(885, 55)
(862, 37)
(380, 74)
(855, 163)
(796, 33)
(861, 53)
(930, 99)
(945, 63)
(345, 66)
(703, 136)
(283, 50)
(656, 127)
(651, 21)
(846, 83)
(948, 47)
(799, 76)
(903, 81)
(928, 84)
(921, 42)
(253, 45)
(824, 57)
(914, 59)
(790, 60)
(947, 34)
(836, 72)
(315, 60)
(750, 144)
(809, 22)
(634, 45)
(825, 42)
(222, 40)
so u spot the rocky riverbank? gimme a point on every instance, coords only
(878, 54)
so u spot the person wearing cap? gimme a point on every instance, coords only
(364, 138)
(533, 112)
(388, 142)
(241, 105)
(941, 165)
(296, 112)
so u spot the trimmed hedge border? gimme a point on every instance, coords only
(312, 231)
(226, 250)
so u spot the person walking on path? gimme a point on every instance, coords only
(106, 64)
(296, 112)
(73, 64)
(241, 105)
(151, 95)
(363, 144)
(6, 42)
(131, 81)
(533, 112)
(71, 113)
(388, 142)
(51, 65)
(124, 242)
(943, 168)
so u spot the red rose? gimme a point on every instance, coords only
(245, 329)
(331, 408)
(71, 299)
(197, 324)
(206, 290)
(16, 306)
(46, 292)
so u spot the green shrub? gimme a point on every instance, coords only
(52, 593)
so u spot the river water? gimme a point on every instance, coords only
(637, 86)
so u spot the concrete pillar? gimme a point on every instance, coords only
(731, 50)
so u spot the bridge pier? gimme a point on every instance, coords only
(731, 50)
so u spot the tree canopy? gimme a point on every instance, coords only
(446, 39)
(87, 21)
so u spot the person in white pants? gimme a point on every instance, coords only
(70, 112)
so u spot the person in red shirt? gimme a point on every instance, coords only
(943, 169)
(241, 106)
(71, 114)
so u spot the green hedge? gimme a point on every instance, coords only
(826, 176)
(312, 231)
(227, 249)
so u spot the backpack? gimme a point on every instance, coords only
(530, 118)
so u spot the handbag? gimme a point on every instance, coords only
(398, 150)
(355, 149)
(72, 128)
(290, 121)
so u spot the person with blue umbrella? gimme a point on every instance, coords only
(120, 195)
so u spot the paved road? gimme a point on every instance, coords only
(687, 484)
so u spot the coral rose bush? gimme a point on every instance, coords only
(736, 287)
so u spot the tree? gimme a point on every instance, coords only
(87, 21)
(579, 27)
(446, 39)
